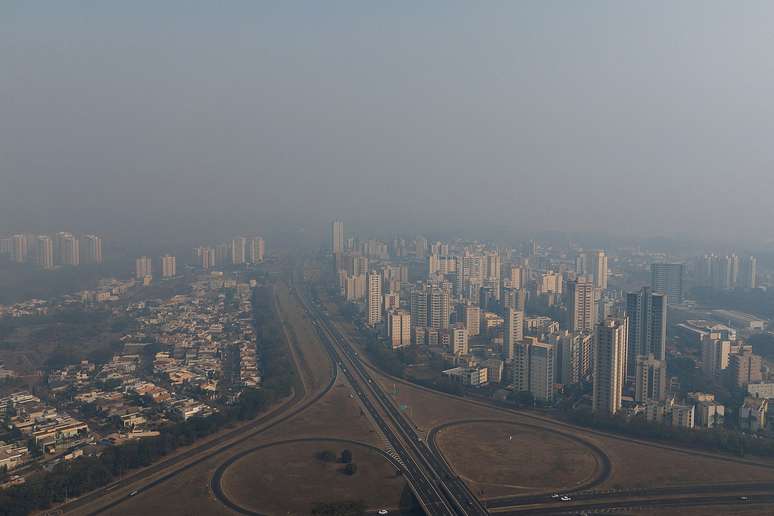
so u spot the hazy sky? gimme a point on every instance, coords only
(652, 117)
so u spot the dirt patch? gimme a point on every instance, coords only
(290, 478)
(510, 459)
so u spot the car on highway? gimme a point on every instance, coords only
(555, 496)
(133, 493)
(744, 498)
(565, 498)
(382, 511)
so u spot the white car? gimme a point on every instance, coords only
(565, 498)
(382, 511)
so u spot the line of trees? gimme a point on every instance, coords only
(75, 478)
(716, 440)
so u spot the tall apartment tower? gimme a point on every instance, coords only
(44, 251)
(581, 305)
(399, 328)
(67, 250)
(647, 313)
(472, 320)
(419, 306)
(256, 248)
(337, 237)
(168, 266)
(593, 264)
(91, 249)
(439, 304)
(714, 355)
(534, 368)
(374, 297)
(610, 345)
(651, 379)
(667, 278)
(513, 332)
(20, 248)
(143, 266)
(459, 339)
(238, 250)
(749, 273)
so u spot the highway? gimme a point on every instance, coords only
(584, 499)
(437, 488)
(764, 500)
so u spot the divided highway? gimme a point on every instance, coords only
(437, 488)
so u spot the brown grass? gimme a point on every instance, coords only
(508, 459)
(289, 479)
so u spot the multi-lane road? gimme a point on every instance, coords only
(438, 490)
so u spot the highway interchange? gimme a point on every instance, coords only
(438, 489)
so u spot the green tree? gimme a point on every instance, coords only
(326, 456)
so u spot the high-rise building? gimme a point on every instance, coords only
(20, 248)
(238, 250)
(647, 313)
(143, 266)
(337, 237)
(391, 300)
(573, 356)
(439, 304)
(513, 332)
(714, 355)
(515, 298)
(593, 264)
(419, 310)
(67, 249)
(610, 345)
(651, 379)
(517, 277)
(549, 283)
(255, 249)
(724, 271)
(205, 257)
(581, 306)
(168, 266)
(91, 249)
(6, 246)
(354, 287)
(399, 328)
(44, 252)
(744, 368)
(374, 298)
(472, 320)
(667, 278)
(459, 339)
(534, 368)
(749, 273)
(420, 247)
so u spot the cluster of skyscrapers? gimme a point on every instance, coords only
(727, 272)
(239, 251)
(50, 251)
(457, 297)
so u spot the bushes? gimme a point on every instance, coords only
(719, 440)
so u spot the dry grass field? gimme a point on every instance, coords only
(290, 479)
(509, 459)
